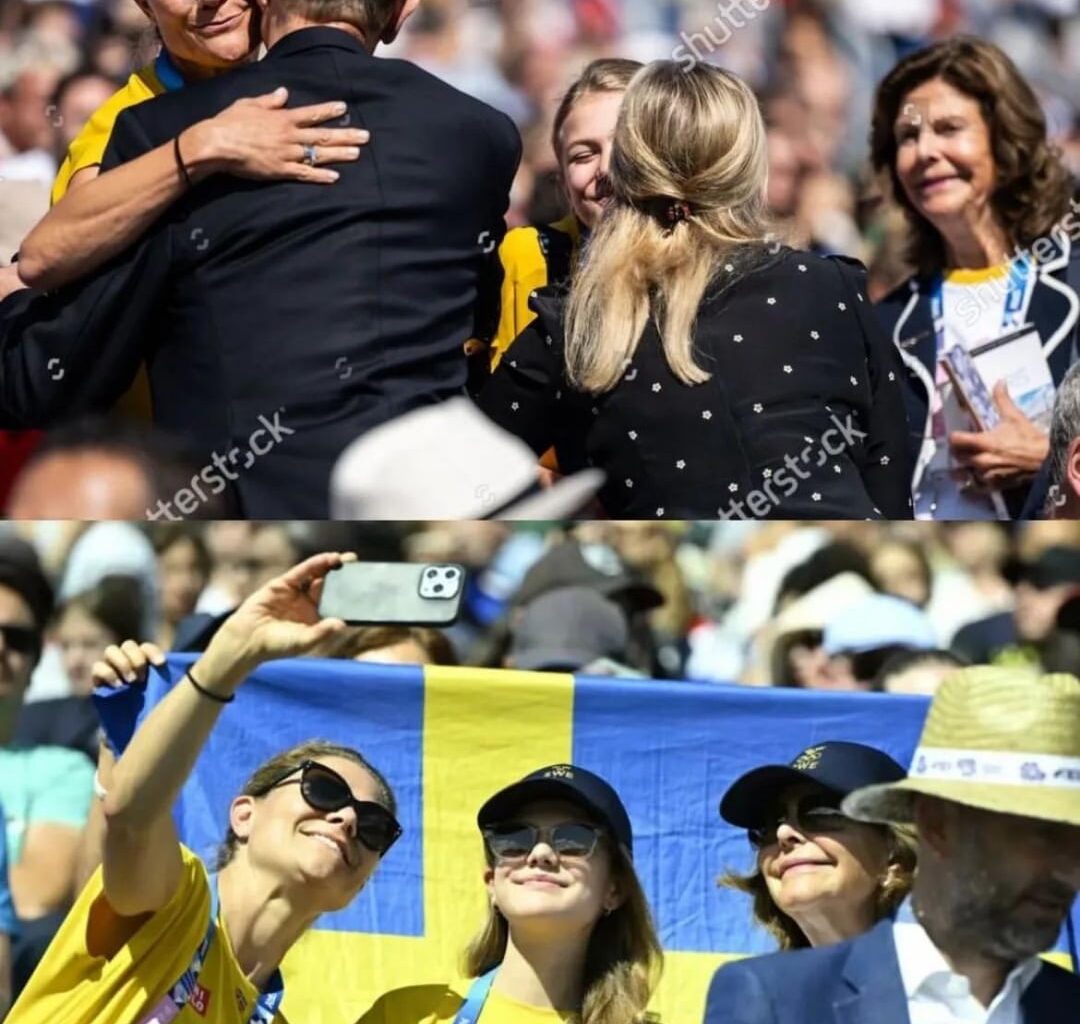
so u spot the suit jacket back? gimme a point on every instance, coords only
(280, 320)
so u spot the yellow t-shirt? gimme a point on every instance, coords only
(526, 267)
(104, 968)
(436, 1004)
(89, 146)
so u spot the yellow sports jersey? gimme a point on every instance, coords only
(89, 146)
(101, 967)
(531, 258)
(436, 1004)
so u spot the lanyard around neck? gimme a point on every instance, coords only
(267, 1003)
(1017, 300)
(474, 1002)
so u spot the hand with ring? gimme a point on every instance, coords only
(260, 138)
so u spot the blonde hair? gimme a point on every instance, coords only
(694, 138)
(612, 74)
(892, 889)
(622, 962)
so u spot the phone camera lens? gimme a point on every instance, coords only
(438, 588)
(432, 573)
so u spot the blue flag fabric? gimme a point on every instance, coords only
(447, 738)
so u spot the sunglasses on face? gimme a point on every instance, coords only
(514, 842)
(324, 790)
(20, 639)
(812, 813)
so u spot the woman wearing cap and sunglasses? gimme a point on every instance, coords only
(568, 935)
(819, 877)
(154, 937)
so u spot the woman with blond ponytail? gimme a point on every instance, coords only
(568, 937)
(706, 370)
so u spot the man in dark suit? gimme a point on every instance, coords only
(993, 791)
(280, 320)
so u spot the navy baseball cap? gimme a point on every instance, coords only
(836, 765)
(563, 782)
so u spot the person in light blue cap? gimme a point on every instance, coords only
(859, 641)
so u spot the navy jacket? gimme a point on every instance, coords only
(854, 982)
(280, 320)
(1055, 310)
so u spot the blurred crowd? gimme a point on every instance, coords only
(835, 606)
(813, 63)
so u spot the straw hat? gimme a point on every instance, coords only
(1002, 739)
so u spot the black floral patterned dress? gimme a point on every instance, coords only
(803, 416)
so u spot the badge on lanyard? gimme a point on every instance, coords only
(1017, 301)
(188, 990)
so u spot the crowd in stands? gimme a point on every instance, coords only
(833, 606)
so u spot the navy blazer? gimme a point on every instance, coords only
(279, 320)
(854, 982)
(1055, 311)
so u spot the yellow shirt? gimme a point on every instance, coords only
(526, 267)
(436, 1004)
(104, 968)
(89, 146)
(87, 150)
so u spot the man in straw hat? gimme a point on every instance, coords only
(994, 791)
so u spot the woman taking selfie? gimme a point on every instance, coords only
(568, 935)
(156, 934)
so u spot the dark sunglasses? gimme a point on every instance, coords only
(514, 842)
(815, 812)
(20, 639)
(325, 790)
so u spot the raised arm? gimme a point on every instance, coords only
(103, 213)
(142, 862)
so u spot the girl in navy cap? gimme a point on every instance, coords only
(819, 876)
(568, 936)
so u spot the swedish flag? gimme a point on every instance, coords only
(447, 738)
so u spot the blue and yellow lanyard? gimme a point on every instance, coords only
(1015, 302)
(268, 1002)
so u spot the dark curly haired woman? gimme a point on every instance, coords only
(962, 139)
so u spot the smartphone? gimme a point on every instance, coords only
(393, 593)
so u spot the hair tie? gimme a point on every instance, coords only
(676, 213)
(668, 212)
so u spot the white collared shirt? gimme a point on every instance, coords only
(937, 995)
